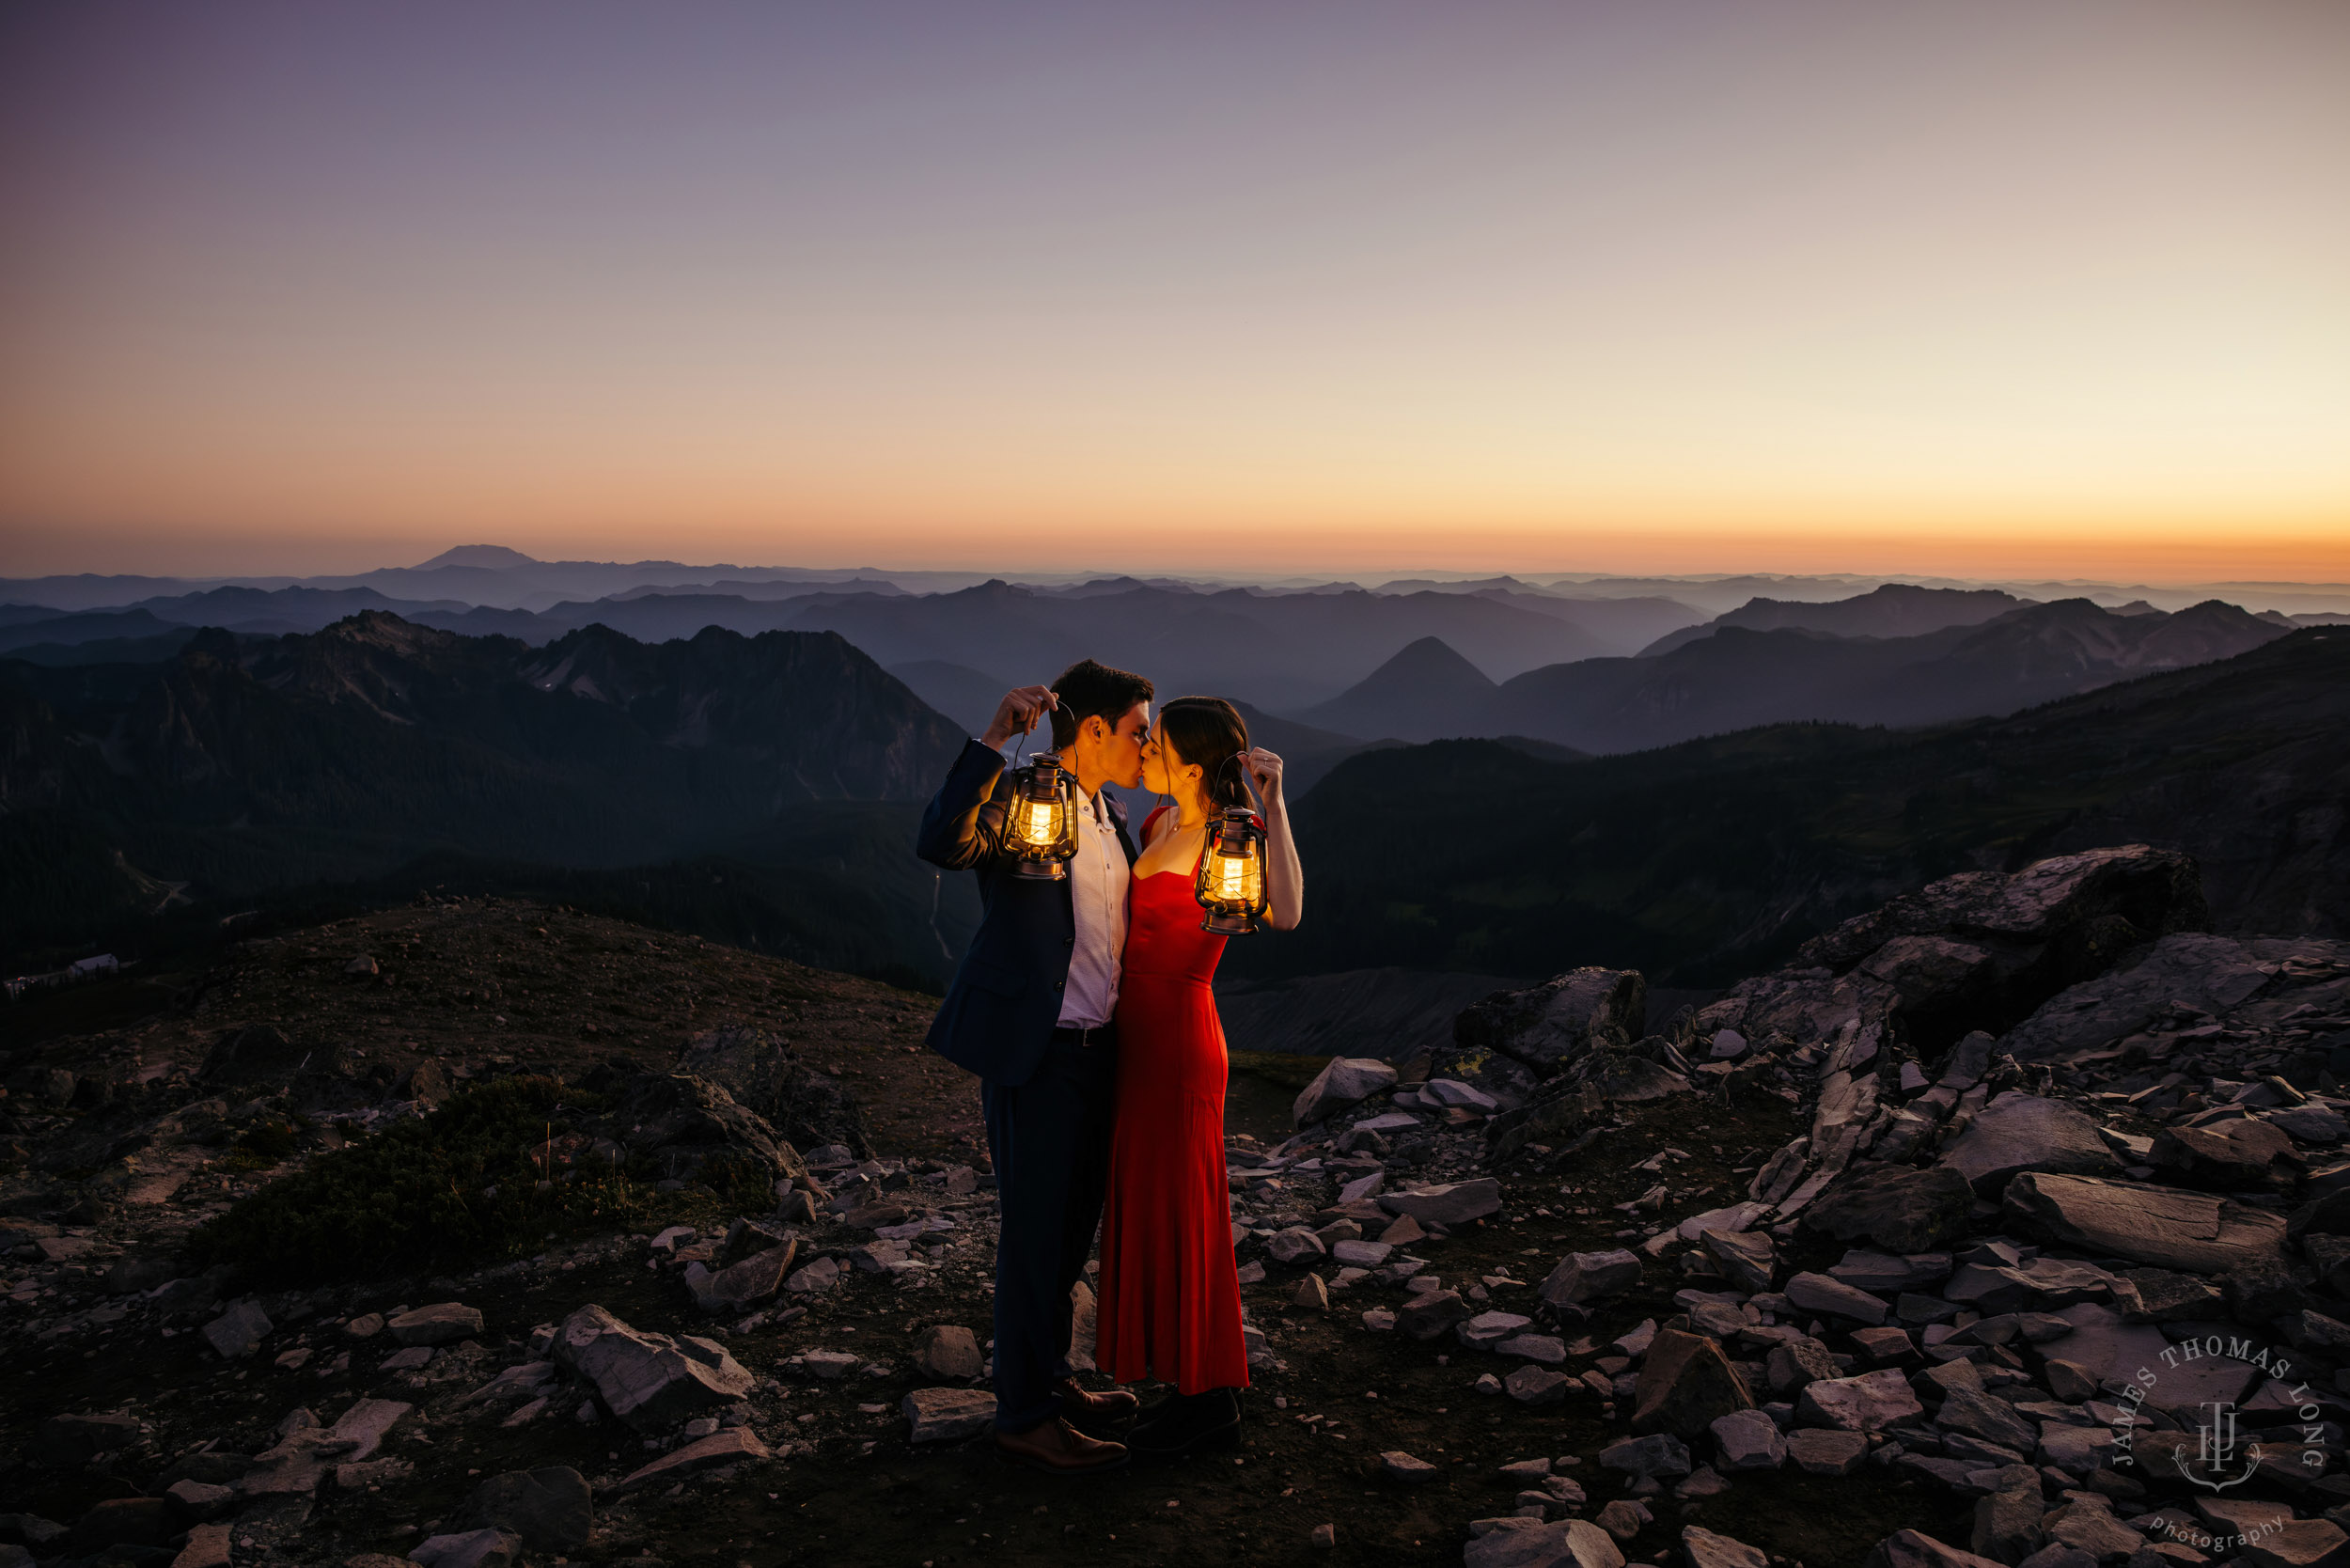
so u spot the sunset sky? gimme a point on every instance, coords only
(1978, 287)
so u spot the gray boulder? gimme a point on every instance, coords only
(1294, 1243)
(650, 1381)
(2108, 1350)
(1537, 1385)
(1554, 1023)
(2318, 1125)
(479, 1548)
(1979, 951)
(1747, 1441)
(2007, 1520)
(1910, 1548)
(1826, 1450)
(445, 1324)
(1832, 1297)
(1582, 1279)
(239, 1331)
(1869, 1403)
(948, 1415)
(1346, 1082)
(755, 1280)
(2019, 1132)
(1430, 1313)
(2225, 1154)
(1993, 1420)
(1705, 1549)
(766, 1075)
(1450, 1204)
(551, 1508)
(1746, 1258)
(1658, 1456)
(1793, 1363)
(1901, 1210)
(1530, 1543)
(2216, 974)
(680, 1121)
(2165, 1227)
(1622, 1075)
(1886, 1272)
(948, 1350)
(1685, 1383)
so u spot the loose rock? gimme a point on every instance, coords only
(948, 1352)
(948, 1415)
(650, 1381)
(445, 1324)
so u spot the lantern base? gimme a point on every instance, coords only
(1042, 870)
(1229, 925)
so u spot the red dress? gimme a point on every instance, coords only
(1169, 1305)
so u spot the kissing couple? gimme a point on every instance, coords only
(1083, 1007)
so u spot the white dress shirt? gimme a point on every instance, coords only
(1098, 881)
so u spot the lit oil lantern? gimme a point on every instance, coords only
(1041, 829)
(1230, 883)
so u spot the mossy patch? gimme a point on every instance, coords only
(461, 1184)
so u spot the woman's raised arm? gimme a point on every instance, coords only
(1285, 879)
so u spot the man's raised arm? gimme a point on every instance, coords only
(960, 827)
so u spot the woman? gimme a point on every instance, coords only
(1169, 1305)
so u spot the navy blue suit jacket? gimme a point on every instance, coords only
(999, 1014)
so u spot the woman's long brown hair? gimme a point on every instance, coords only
(1208, 731)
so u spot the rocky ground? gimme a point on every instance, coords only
(1935, 1247)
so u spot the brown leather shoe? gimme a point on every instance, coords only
(1058, 1449)
(1088, 1411)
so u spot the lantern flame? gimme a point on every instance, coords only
(1040, 828)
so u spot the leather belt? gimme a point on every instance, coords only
(1091, 1034)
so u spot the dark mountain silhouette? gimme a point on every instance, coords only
(109, 651)
(1424, 692)
(239, 769)
(1894, 610)
(1706, 860)
(1738, 677)
(84, 626)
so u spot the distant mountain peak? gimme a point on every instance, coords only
(1428, 658)
(1426, 690)
(489, 558)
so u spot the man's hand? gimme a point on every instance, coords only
(1017, 713)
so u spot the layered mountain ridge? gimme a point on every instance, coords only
(1740, 677)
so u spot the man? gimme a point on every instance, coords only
(1029, 1011)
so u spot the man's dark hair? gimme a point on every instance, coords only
(1087, 688)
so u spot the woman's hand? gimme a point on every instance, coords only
(1264, 771)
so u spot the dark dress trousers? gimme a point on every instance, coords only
(1047, 1098)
